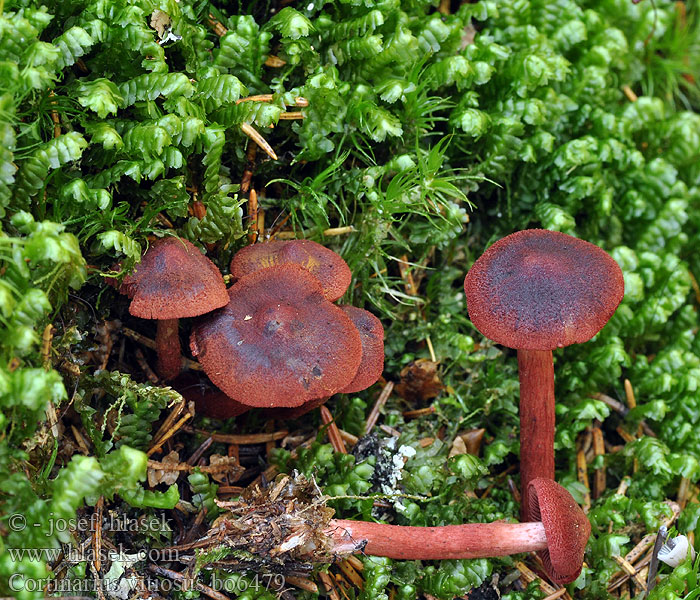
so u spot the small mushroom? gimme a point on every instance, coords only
(566, 527)
(536, 290)
(173, 280)
(327, 266)
(278, 341)
(558, 530)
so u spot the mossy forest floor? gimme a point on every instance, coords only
(407, 137)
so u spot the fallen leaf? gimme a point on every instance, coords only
(161, 22)
(419, 381)
(165, 475)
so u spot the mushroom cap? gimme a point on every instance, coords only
(539, 290)
(278, 342)
(372, 337)
(565, 525)
(208, 400)
(327, 266)
(174, 280)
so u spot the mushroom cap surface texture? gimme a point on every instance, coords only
(278, 342)
(324, 264)
(372, 337)
(565, 525)
(539, 290)
(174, 280)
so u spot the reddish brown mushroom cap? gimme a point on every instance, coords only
(539, 290)
(208, 400)
(278, 342)
(327, 266)
(565, 525)
(372, 336)
(174, 280)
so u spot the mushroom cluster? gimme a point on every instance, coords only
(280, 342)
(276, 340)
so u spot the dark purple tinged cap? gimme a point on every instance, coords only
(174, 280)
(539, 290)
(372, 337)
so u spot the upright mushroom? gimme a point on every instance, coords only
(173, 280)
(278, 341)
(558, 529)
(536, 290)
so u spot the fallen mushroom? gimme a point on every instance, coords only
(324, 264)
(278, 341)
(558, 530)
(173, 280)
(536, 290)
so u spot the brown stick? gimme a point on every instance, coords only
(328, 584)
(631, 96)
(149, 343)
(529, 576)
(274, 61)
(582, 474)
(97, 543)
(351, 575)
(243, 439)
(56, 121)
(381, 401)
(599, 450)
(253, 134)
(419, 412)
(253, 216)
(249, 167)
(334, 436)
(170, 433)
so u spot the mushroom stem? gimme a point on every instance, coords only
(473, 540)
(536, 369)
(168, 349)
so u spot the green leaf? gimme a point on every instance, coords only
(48, 156)
(120, 242)
(291, 23)
(101, 96)
(72, 44)
(152, 85)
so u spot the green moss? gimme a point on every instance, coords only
(432, 135)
